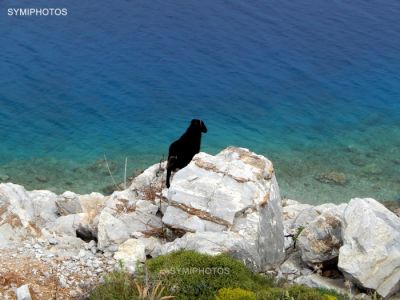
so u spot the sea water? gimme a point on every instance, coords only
(312, 85)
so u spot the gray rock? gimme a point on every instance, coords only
(68, 203)
(370, 255)
(291, 268)
(150, 244)
(321, 239)
(316, 281)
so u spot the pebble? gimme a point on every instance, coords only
(92, 244)
(82, 253)
(108, 254)
(23, 293)
(74, 293)
(52, 241)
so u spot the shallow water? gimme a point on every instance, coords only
(313, 86)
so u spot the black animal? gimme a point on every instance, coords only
(182, 150)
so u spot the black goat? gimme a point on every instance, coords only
(182, 150)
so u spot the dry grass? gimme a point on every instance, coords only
(20, 270)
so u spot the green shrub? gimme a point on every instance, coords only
(190, 275)
(235, 294)
(270, 294)
(117, 285)
(297, 292)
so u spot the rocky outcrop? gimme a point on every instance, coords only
(234, 191)
(370, 255)
(227, 203)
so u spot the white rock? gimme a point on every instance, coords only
(236, 190)
(67, 225)
(290, 212)
(53, 241)
(130, 214)
(44, 203)
(111, 230)
(370, 255)
(23, 293)
(305, 217)
(26, 212)
(152, 176)
(130, 253)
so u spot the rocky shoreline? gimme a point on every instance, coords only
(227, 203)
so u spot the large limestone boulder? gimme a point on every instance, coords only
(370, 255)
(234, 191)
(124, 216)
(24, 213)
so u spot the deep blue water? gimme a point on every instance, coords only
(312, 85)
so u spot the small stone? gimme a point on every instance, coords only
(92, 244)
(63, 281)
(73, 293)
(338, 178)
(4, 177)
(357, 161)
(23, 293)
(82, 253)
(108, 254)
(52, 241)
(372, 169)
(42, 179)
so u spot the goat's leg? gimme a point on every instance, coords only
(168, 177)
(170, 167)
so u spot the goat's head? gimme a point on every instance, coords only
(199, 125)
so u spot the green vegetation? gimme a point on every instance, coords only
(189, 275)
(235, 294)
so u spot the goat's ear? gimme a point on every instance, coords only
(203, 126)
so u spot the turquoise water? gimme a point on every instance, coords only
(313, 86)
